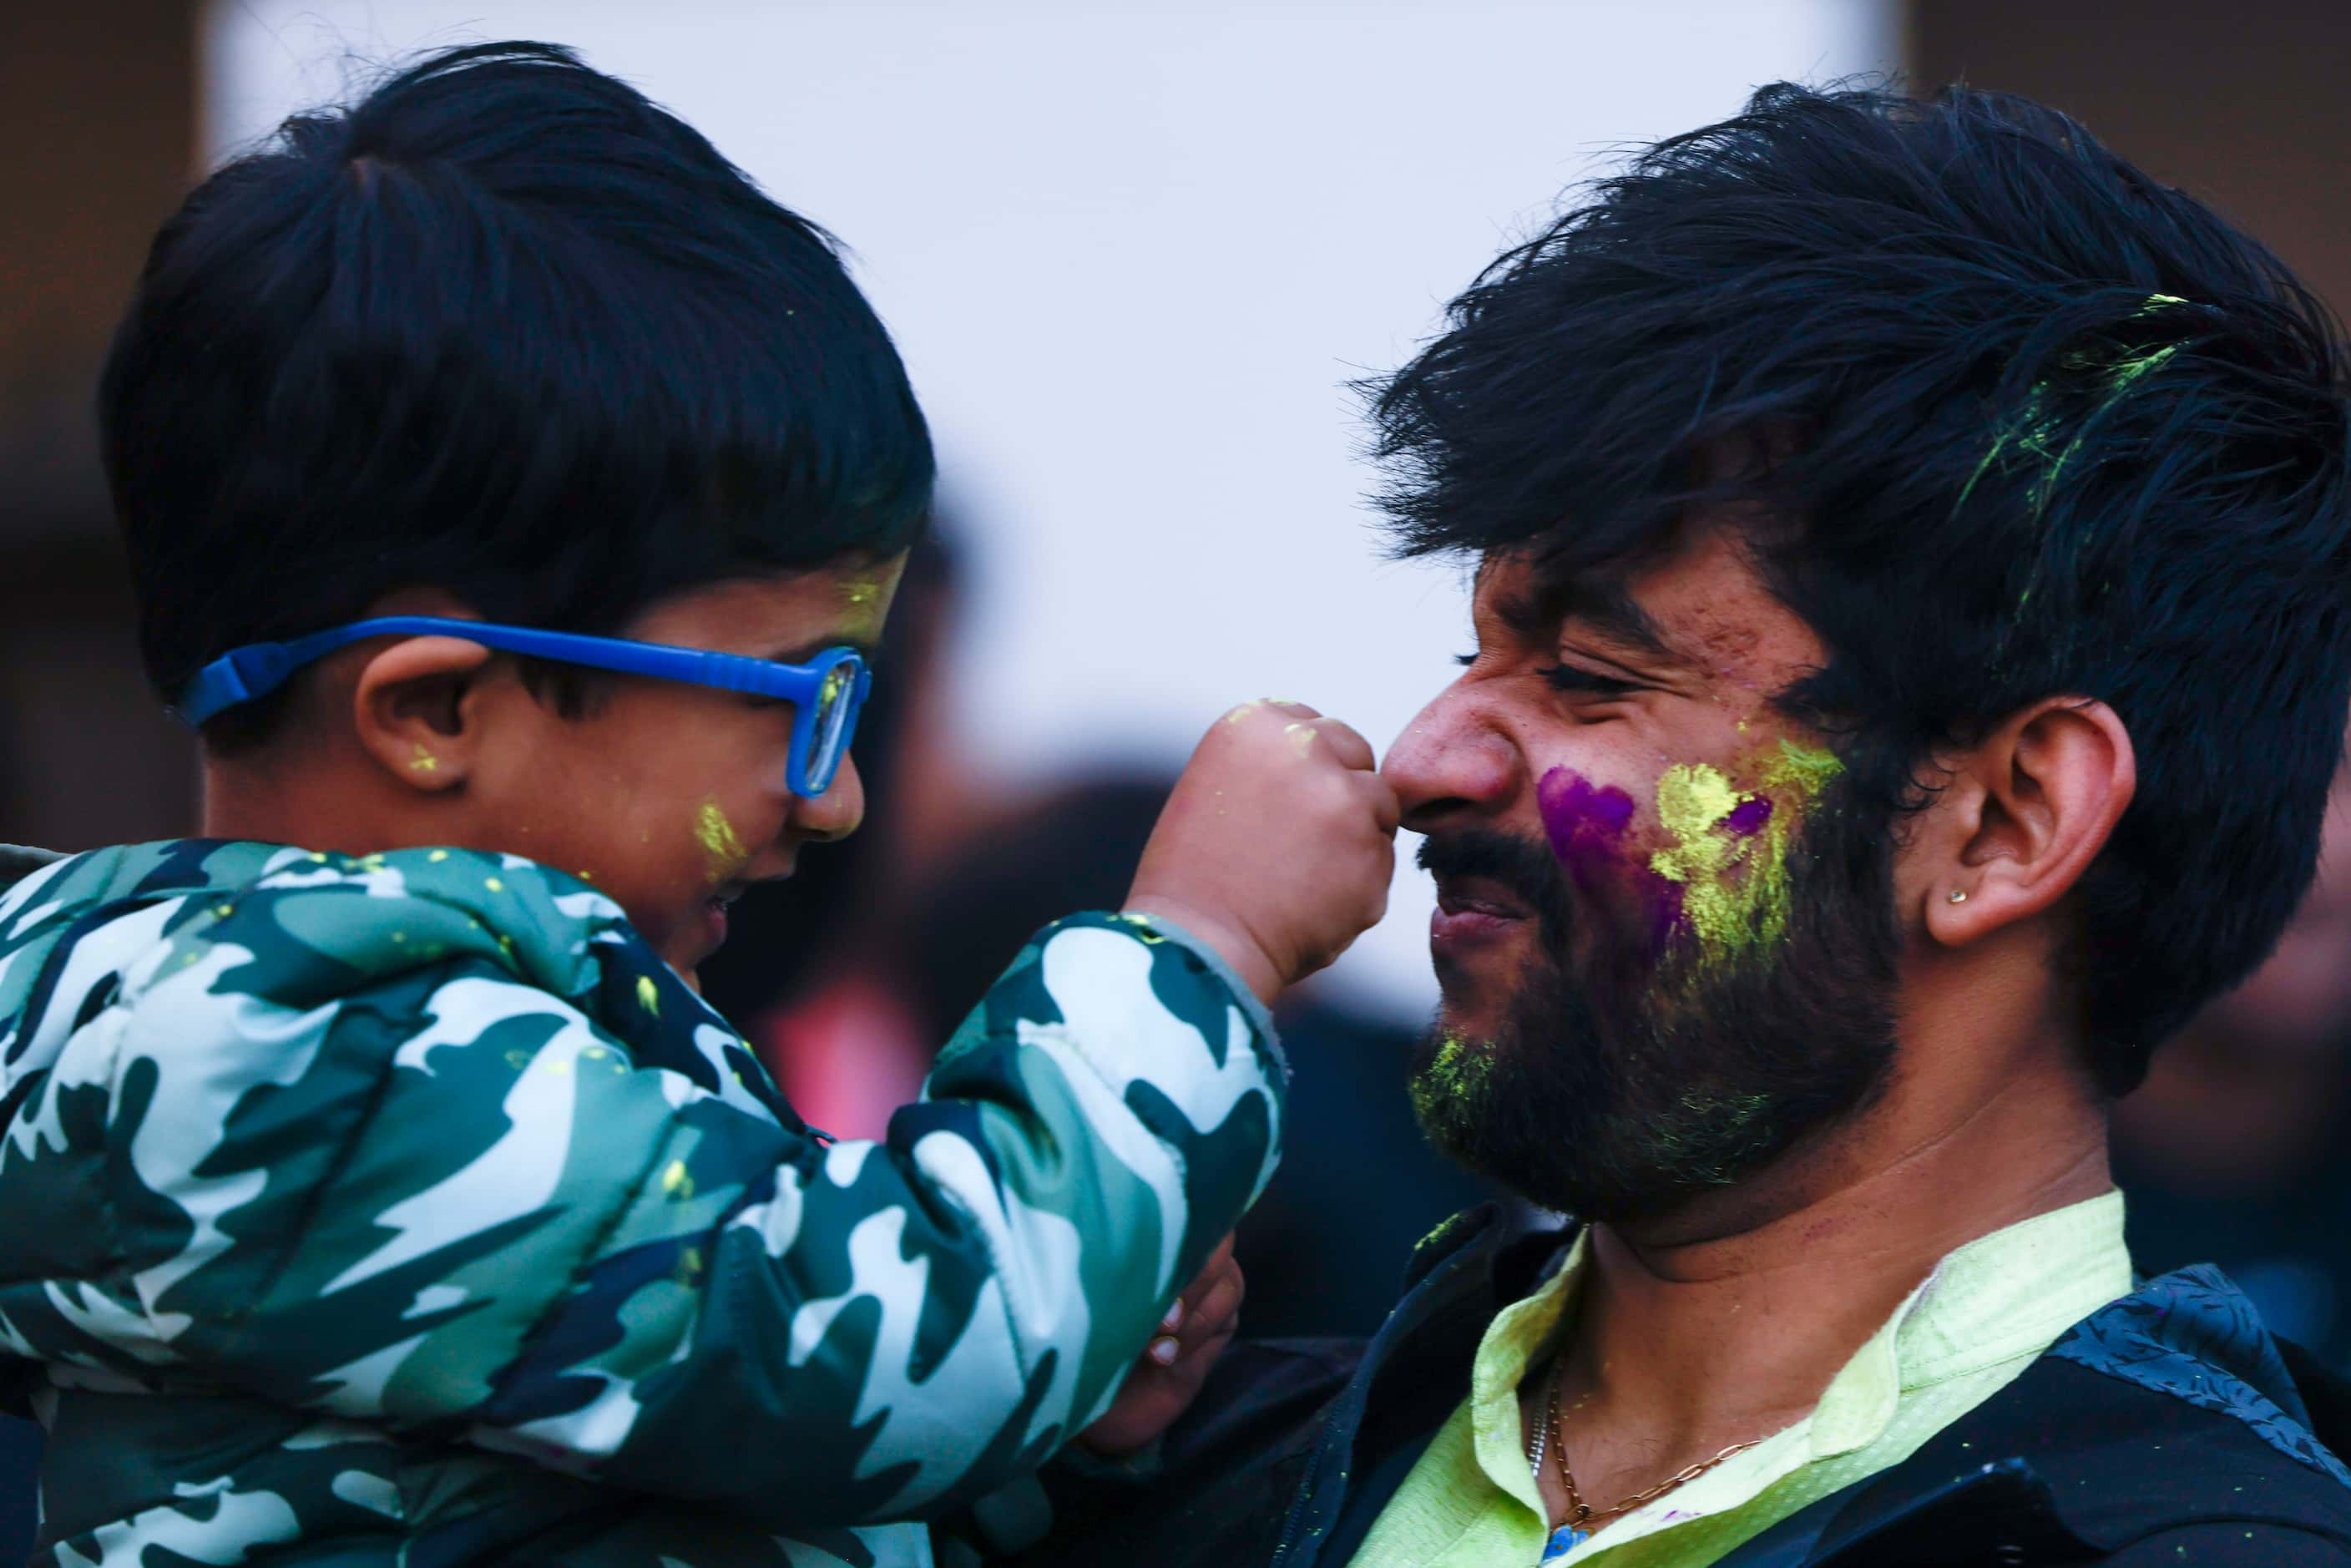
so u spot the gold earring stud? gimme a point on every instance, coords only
(1958, 895)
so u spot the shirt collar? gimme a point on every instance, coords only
(2000, 1296)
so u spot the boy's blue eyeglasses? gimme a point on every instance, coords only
(826, 693)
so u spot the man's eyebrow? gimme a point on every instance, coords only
(1604, 607)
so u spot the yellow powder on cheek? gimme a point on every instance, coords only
(1724, 908)
(1805, 769)
(1692, 801)
(716, 836)
(1736, 894)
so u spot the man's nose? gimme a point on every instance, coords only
(1451, 762)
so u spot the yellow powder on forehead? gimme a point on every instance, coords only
(863, 604)
(716, 836)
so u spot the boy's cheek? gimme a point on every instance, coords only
(713, 831)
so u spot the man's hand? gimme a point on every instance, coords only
(1164, 1382)
(1277, 847)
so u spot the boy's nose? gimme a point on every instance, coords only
(833, 815)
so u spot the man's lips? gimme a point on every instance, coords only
(1474, 910)
(1479, 895)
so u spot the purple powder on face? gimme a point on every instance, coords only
(1665, 900)
(1748, 816)
(1583, 821)
(1588, 825)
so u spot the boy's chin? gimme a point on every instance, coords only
(712, 934)
(694, 937)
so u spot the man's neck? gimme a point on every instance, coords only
(1726, 1321)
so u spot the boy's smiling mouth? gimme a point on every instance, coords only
(714, 916)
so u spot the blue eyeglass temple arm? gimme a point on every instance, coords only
(259, 668)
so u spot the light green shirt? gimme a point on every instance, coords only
(1984, 1315)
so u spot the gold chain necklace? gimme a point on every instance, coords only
(1580, 1514)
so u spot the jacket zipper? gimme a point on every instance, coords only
(1339, 1434)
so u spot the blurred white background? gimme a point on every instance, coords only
(1132, 254)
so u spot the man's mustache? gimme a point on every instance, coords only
(1523, 868)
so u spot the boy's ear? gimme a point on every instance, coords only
(2021, 816)
(417, 707)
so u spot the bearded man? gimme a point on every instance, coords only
(1912, 641)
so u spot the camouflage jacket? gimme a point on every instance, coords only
(409, 1210)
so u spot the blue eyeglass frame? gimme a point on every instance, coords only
(259, 668)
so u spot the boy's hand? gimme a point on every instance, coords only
(1163, 1383)
(1277, 847)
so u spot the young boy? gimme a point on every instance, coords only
(375, 1187)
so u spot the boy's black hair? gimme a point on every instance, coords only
(505, 328)
(2036, 425)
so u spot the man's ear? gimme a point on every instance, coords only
(417, 708)
(2022, 815)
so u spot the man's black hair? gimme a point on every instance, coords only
(505, 328)
(2025, 423)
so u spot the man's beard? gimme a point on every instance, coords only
(1623, 1082)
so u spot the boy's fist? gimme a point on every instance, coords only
(1278, 845)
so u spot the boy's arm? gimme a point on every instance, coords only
(18, 862)
(460, 1208)
(984, 1278)
(361, 1152)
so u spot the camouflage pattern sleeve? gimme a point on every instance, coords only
(434, 1143)
(947, 1307)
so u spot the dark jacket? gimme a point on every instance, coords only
(2167, 1427)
